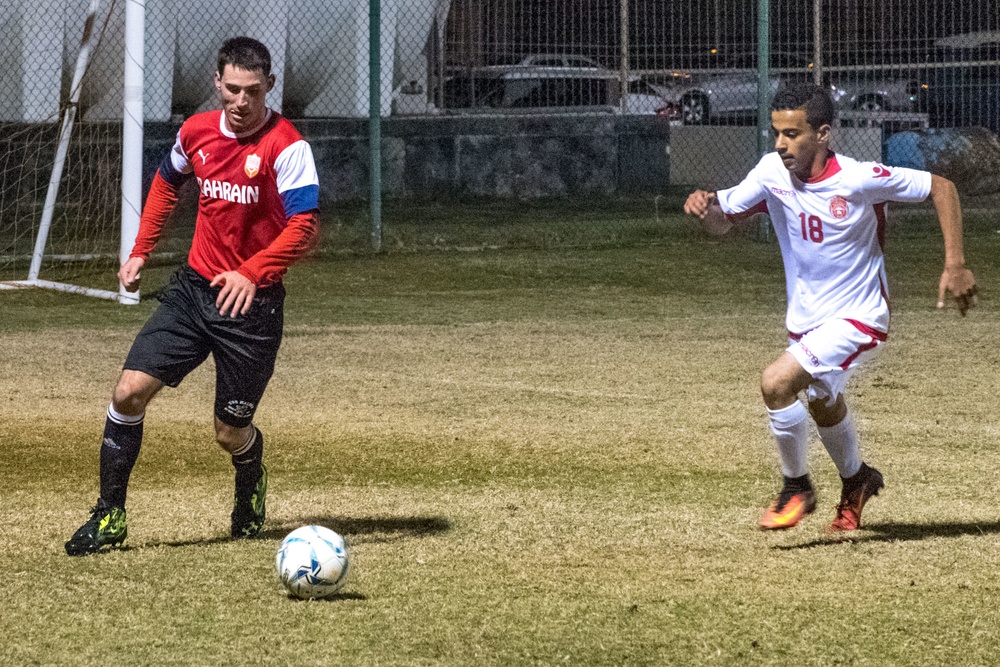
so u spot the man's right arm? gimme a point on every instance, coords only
(721, 210)
(160, 203)
(705, 205)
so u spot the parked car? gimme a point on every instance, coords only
(559, 60)
(729, 91)
(875, 90)
(963, 75)
(550, 83)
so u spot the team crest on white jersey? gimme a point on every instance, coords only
(838, 207)
(252, 165)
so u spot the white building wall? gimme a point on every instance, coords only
(319, 50)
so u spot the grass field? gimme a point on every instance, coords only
(536, 457)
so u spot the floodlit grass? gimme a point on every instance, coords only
(536, 457)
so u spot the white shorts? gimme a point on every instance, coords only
(831, 352)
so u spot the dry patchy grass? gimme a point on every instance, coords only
(535, 459)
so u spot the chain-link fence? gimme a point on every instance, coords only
(523, 100)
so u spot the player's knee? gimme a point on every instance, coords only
(130, 397)
(230, 438)
(775, 388)
(828, 415)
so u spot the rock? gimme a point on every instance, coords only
(969, 156)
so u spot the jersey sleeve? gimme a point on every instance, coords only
(883, 184)
(294, 241)
(298, 183)
(746, 199)
(176, 166)
(160, 203)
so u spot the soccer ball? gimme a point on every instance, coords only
(312, 562)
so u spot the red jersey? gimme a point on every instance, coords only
(257, 203)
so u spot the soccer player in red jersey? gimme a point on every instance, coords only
(258, 212)
(828, 213)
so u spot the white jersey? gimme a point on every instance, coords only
(831, 231)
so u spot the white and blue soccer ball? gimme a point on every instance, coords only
(312, 562)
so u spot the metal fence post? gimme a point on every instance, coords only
(623, 101)
(375, 118)
(764, 90)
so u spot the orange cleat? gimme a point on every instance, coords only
(855, 493)
(788, 509)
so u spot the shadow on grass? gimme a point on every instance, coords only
(898, 532)
(330, 598)
(367, 529)
(362, 529)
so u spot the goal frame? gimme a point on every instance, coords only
(132, 147)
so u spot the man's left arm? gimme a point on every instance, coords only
(240, 286)
(956, 278)
(298, 184)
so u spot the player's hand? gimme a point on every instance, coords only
(129, 275)
(962, 284)
(699, 202)
(236, 294)
(705, 205)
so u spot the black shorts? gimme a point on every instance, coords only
(187, 326)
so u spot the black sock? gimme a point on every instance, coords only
(797, 484)
(247, 464)
(119, 451)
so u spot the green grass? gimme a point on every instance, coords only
(536, 457)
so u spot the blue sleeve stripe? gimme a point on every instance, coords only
(300, 200)
(171, 175)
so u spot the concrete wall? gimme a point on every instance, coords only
(523, 157)
(715, 157)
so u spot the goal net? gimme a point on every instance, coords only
(61, 135)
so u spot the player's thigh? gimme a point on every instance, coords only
(173, 342)
(245, 349)
(830, 354)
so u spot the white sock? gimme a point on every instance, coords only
(841, 441)
(245, 447)
(127, 420)
(791, 430)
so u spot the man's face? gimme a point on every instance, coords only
(243, 94)
(802, 149)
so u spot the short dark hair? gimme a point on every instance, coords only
(814, 99)
(246, 53)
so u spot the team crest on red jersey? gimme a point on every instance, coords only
(252, 165)
(838, 207)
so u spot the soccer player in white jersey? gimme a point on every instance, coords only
(828, 213)
(258, 212)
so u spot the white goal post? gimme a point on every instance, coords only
(17, 187)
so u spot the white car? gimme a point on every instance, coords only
(548, 83)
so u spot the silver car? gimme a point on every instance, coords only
(729, 92)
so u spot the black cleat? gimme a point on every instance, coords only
(105, 528)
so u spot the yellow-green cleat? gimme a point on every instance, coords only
(248, 512)
(105, 528)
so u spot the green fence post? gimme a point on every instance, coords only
(375, 118)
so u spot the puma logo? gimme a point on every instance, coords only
(203, 155)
